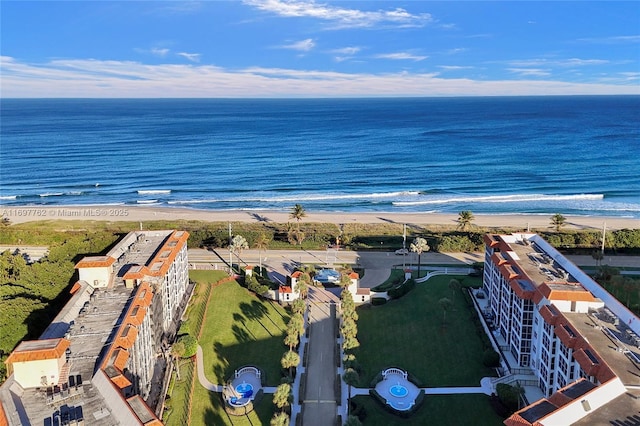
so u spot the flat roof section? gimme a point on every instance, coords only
(623, 410)
(597, 333)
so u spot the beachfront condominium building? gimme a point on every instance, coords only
(103, 359)
(555, 324)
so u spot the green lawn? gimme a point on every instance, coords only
(239, 329)
(441, 410)
(409, 333)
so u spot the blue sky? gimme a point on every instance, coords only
(301, 48)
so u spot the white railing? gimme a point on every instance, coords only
(243, 370)
(396, 371)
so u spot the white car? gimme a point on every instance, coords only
(402, 252)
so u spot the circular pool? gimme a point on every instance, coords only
(398, 391)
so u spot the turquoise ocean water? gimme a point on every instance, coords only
(541, 155)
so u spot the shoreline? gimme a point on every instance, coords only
(121, 213)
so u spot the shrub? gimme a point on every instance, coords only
(491, 358)
(377, 301)
(190, 345)
(509, 396)
(401, 290)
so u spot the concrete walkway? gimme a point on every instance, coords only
(210, 386)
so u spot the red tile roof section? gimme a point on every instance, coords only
(23, 354)
(95, 262)
(173, 244)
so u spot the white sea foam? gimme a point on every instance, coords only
(302, 198)
(514, 198)
(52, 194)
(153, 191)
(8, 197)
(147, 201)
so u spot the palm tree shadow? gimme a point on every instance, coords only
(259, 217)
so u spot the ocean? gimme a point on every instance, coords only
(575, 155)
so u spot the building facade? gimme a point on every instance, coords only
(102, 361)
(558, 324)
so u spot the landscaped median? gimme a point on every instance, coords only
(238, 328)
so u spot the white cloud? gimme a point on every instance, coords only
(535, 72)
(118, 79)
(159, 51)
(454, 67)
(302, 45)
(193, 57)
(456, 51)
(341, 17)
(570, 62)
(612, 39)
(400, 56)
(347, 50)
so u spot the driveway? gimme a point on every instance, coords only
(319, 400)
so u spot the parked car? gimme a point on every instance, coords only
(402, 252)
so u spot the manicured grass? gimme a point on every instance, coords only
(409, 333)
(441, 410)
(178, 404)
(239, 329)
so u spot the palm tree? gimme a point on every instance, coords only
(597, 256)
(279, 419)
(454, 285)
(302, 284)
(261, 244)
(419, 245)
(283, 396)
(297, 213)
(558, 221)
(298, 306)
(292, 338)
(350, 377)
(465, 218)
(238, 243)
(290, 360)
(445, 304)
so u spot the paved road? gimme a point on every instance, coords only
(319, 400)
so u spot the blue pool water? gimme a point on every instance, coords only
(398, 391)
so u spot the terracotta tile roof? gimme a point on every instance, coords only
(136, 272)
(166, 255)
(77, 286)
(354, 276)
(3, 416)
(121, 381)
(571, 292)
(120, 358)
(296, 274)
(37, 350)
(95, 262)
(363, 291)
(285, 289)
(127, 336)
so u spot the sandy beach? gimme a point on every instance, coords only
(149, 213)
